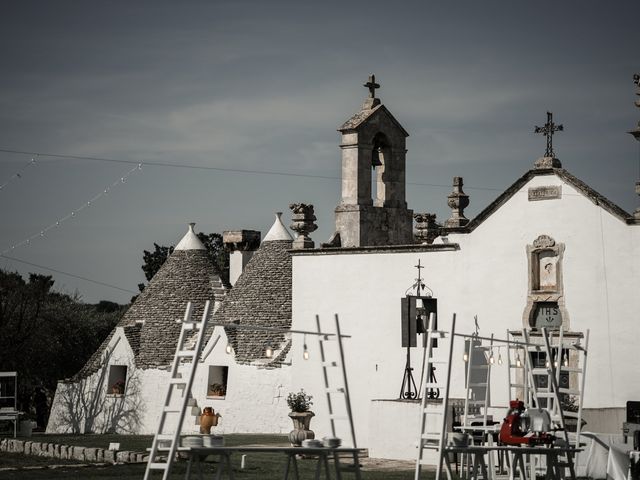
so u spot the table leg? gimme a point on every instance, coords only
(325, 461)
(187, 474)
(336, 465)
(356, 465)
(227, 458)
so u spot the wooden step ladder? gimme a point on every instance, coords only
(478, 382)
(343, 391)
(435, 440)
(178, 392)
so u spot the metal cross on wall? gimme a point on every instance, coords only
(548, 130)
(372, 85)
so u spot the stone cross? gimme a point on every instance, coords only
(548, 130)
(372, 85)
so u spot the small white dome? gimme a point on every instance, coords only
(278, 231)
(190, 241)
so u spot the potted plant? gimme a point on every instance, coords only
(299, 403)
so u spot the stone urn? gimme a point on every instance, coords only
(301, 432)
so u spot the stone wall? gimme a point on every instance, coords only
(70, 452)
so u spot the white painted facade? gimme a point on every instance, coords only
(255, 401)
(487, 276)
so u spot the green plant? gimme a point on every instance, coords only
(299, 402)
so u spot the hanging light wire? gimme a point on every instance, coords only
(18, 174)
(42, 232)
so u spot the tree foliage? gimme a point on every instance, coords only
(45, 335)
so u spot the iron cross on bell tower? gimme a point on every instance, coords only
(548, 130)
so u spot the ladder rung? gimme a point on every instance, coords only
(569, 391)
(177, 381)
(186, 353)
(431, 436)
(480, 384)
(479, 367)
(570, 369)
(545, 394)
(434, 385)
(433, 411)
(329, 364)
(517, 385)
(438, 362)
(477, 402)
(170, 410)
(570, 414)
(165, 436)
(334, 390)
(338, 417)
(539, 371)
(158, 466)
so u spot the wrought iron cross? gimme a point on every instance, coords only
(548, 130)
(419, 279)
(372, 85)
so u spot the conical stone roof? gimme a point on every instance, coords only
(152, 322)
(261, 296)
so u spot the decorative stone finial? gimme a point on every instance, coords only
(371, 101)
(548, 129)
(427, 229)
(457, 201)
(303, 219)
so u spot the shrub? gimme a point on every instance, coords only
(299, 402)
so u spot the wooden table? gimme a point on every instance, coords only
(478, 467)
(198, 454)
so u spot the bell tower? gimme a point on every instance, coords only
(373, 210)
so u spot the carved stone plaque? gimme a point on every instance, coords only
(547, 314)
(550, 192)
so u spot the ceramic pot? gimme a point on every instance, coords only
(301, 432)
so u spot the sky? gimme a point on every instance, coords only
(231, 108)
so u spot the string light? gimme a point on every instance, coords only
(492, 360)
(229, 348)
(465, 356)
(18, 174)
(518, 362)
(566, 360)
(87, 204)
(499, 357)
(268, 352)
(305, 350)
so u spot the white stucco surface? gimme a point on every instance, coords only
(487, 277)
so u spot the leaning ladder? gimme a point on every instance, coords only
(478, 380)
(176, 382)
(435, 440)
(344, 390)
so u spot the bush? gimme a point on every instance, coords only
(299, 402)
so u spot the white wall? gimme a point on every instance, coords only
(487, 277)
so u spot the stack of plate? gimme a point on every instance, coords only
(331, 442)
(312, 443)
(192, 441)
(212, 441)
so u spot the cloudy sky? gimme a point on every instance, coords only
(218, 91)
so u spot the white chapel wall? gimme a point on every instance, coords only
(487, 277)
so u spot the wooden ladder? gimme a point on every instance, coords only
(177, 407)
(435, 440)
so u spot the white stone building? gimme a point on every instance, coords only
(548, 240)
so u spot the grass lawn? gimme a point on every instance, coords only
(258, 466)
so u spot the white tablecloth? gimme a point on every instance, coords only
(605, 456)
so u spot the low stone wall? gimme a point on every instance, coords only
(70, 452)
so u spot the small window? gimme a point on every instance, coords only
(117, 379)
(217, 381)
